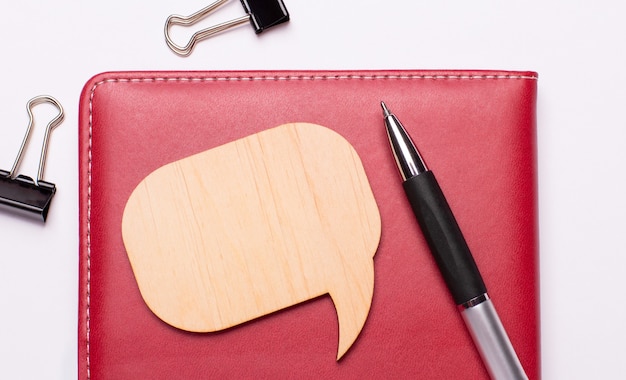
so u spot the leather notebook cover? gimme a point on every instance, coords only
(476, 131)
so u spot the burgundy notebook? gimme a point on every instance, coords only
(476, 130)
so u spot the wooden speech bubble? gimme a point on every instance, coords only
(255, 226)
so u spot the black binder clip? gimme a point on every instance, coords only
(21, 193)
(262, 14)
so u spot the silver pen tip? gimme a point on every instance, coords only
(385, 109)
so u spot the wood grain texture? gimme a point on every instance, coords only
(254, 226)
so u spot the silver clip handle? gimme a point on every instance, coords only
(51, 125)
(202, 34)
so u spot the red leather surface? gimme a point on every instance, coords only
(476, 131)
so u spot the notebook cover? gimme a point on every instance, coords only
(476, 130)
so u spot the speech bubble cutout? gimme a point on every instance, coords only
(255, 226)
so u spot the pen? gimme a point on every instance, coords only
(452, 255)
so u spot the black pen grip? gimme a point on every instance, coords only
(444, 237)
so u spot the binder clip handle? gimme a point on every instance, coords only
(262, 14)
(31, 120)
(202, 34)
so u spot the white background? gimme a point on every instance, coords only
(578, 48)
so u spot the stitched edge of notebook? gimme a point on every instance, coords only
(240, 78)
(243, 78)
(88, 285)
